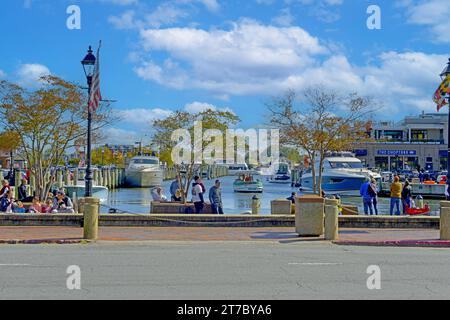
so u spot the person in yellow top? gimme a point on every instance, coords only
(396, 195)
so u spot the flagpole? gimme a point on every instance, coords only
(448, 151)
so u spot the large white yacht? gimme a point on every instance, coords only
(144, 172)
(343, 174)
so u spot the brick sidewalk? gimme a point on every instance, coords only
(375, 237)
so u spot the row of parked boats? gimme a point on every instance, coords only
(343, 173)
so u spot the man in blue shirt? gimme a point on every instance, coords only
(367, 197)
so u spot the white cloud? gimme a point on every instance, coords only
(235, 61)
(28, 74)
(196, 107)
(121, 2)
(2, 74)
(142, 117)
(430, 13)
(251, 59)
(165, 14)
(121, 136)
(284, 19)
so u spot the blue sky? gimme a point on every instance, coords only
(159, 56)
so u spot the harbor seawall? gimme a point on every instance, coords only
(123, 220)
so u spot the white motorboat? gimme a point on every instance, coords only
(343, 174)
(144, 172)
(238, 169)
(282, 174)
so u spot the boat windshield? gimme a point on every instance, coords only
(346, 165)
(145, 161)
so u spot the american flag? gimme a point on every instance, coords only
(96, 96)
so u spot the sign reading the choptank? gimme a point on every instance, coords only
(396, 152)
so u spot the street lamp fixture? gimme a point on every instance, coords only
(444, 75)
(89, 68)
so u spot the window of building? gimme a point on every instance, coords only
(419, 135)
(443, 161)
(382, 163)
(396, 135)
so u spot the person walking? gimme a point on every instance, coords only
(396, 195)
(215, 197)
(197, 195)
(374, 194)
(406, 196)
(367, 198)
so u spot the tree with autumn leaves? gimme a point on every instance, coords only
(162, 137)
(45, 123)
(320, 121)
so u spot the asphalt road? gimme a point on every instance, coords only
(222, 270)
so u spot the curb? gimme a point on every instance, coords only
(45, 241)
(398, 243)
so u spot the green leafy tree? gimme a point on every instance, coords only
(47, 121)
(211, 119)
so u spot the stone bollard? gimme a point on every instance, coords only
(256, 205)
(445, 220)
(75, 177)
(331, 219)
(90, 227)
(67, 180)
(281, 207)
(309, 216)
(59, 179)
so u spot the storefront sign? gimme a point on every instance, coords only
(397, 152)
(360, 152)
(443, 153)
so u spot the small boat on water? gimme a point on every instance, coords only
(247, 184)
(282, 175)
(144, 172)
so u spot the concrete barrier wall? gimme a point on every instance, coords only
(114, 220)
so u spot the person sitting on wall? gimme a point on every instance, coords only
(35, 206)
(6, 202)
(62, 203)
(158, 195)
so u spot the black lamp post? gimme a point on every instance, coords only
(11, 168)
(444, 75)
(89, 68)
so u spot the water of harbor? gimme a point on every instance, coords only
(137, 201)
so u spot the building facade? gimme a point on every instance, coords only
(416, 142)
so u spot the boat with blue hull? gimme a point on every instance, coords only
(343, 174)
